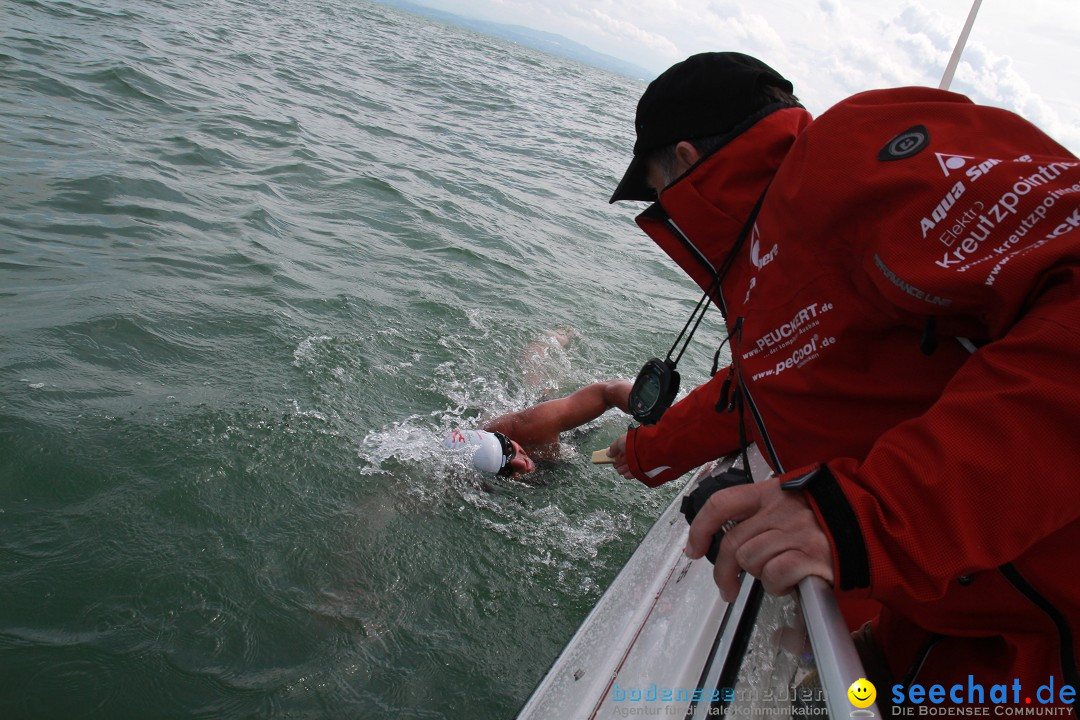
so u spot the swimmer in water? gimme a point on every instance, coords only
(510, 444)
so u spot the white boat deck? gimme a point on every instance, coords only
(661, 642)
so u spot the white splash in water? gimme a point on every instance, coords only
(312, 414)
(305, 352)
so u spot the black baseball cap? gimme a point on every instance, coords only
(704, 95)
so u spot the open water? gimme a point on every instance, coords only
(256, 259)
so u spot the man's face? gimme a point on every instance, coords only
(655, 177)
(522, 464)
(658, 174)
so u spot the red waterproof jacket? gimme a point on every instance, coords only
(947, 480)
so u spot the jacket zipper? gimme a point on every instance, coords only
(763, 434)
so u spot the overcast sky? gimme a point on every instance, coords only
(1023, 55)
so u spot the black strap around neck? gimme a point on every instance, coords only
(718, 279)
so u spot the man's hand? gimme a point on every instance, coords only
(618, 452)
(777, 538)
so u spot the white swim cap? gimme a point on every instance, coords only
(487, 454)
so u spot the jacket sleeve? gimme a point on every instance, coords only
(691, 433)
(990, 469)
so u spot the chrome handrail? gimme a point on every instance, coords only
(835, 655)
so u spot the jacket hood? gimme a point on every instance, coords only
(714, 199)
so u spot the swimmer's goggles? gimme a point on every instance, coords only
(509, 452)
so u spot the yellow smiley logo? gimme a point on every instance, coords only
(862, 693)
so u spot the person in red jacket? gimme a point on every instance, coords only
(900, 279)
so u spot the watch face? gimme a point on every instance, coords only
(653, 390)
(648, 392)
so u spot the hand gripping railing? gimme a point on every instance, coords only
(835, 657)
(662, 623)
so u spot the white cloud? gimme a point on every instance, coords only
(925, 39)
(743, 27)
(623, 30)
(829, 7)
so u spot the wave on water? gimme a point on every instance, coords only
(257, 260)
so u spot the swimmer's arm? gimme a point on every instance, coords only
(542, 423)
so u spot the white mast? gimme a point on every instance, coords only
(950, 69)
